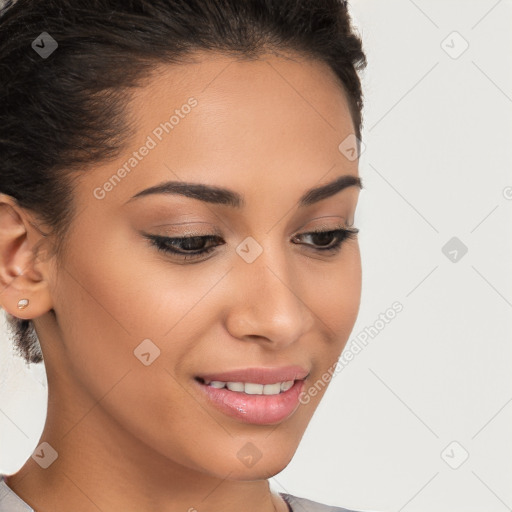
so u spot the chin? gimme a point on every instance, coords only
(260, 471)
(275, 456)
(249, 460)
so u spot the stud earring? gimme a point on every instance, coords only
(22, 303)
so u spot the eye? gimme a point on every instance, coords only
(186, 248)
(196, 247)
(329, 241)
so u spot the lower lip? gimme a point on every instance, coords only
(255, 409)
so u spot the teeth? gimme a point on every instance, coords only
(235, 386)
(285, 386)
(251, 388)
(272, 389)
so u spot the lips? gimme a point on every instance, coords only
(255, 408)
(258, 375)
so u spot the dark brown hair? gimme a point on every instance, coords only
(63, 113)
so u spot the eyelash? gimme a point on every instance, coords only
(164, 244)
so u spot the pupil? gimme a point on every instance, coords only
(190, 242)
(324, 237)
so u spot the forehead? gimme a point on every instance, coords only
(242, 123)
(274, 90)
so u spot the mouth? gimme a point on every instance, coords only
(261, 396)
(250, 388)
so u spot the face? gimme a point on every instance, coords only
(144, 320)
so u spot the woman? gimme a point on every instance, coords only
(178, 187)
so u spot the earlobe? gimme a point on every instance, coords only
(24, 291)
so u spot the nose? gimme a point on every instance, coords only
(269, 302)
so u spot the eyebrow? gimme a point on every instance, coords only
(225, 196)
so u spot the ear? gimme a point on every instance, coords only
(24, 265)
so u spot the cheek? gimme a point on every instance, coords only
(130, 289)
(119, 306)
(337, 295)
(336, 298)
(107, 305)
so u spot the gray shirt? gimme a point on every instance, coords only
(11, 502)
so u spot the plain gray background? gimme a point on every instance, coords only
(420, 419)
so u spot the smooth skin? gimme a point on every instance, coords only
(142, 438)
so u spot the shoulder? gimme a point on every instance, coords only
(10, 501)
(298, 504)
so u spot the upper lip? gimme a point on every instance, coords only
(259, 375)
